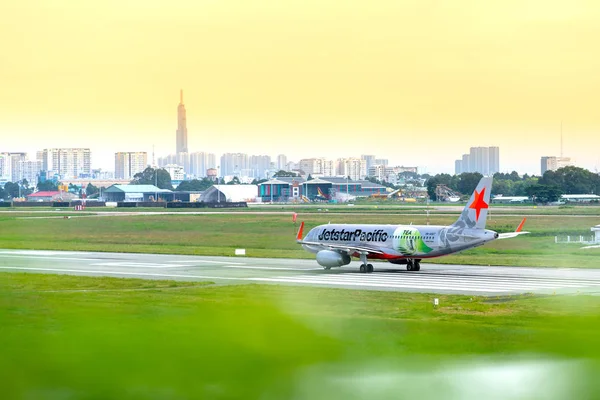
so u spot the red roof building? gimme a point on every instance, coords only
(44, 196)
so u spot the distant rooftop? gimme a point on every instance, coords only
(136, 189)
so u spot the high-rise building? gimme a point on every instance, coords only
(234, 164)
(127, 164)
(183, 159)
(458, 167)
(355, 168)
(16, 160)
(554, 163)
(281, 162)
(259, 165)
(382, 161)
(382, 173)
(466, 163)
(311, 166)
(5, 169)
(494, 160)
(370, 159)
(485, 160)
(67, 163)
(29, 170)
(182, 146)
(200, 163)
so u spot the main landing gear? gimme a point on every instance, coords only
(364, 267)
(413, 265)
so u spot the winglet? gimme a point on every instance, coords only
(520, 227)
(299, 235)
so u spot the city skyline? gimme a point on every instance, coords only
(409, 82)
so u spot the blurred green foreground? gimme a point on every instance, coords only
(67, 337)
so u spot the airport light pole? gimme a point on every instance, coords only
(156, 183)
(218, 190)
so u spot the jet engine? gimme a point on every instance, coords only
(329, 258)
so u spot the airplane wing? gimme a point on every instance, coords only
(516, 233)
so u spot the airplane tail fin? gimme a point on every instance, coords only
(474, 215)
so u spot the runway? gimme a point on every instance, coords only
(446, 279)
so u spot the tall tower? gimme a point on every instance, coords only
(181, 126)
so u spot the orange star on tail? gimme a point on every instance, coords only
(479, 203)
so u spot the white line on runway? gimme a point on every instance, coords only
(424, 283)
(207, 262)
(409, 280)
(104, 272)
(51, 258)
(406, 277)
(310, 281)
(137, 265)
(272, 268)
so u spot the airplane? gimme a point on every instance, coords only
(336, 244)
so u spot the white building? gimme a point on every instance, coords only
(554, 163)
(485, 160)
(370, 159)
(282, 162)
(381, 172)
(232, 193)
(30, 170)
(355, 168)
(176, 171)
(68, 163)
(5, 168)
(127, 164)
(10, 166)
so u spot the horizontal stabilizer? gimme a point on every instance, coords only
(516, 233)
(511, 235)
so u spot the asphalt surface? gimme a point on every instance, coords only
(448, 279)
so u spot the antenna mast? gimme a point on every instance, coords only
(561, 140)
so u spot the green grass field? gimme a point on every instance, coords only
(273, 235)
(65, 337)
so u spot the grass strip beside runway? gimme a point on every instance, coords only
(130, 339)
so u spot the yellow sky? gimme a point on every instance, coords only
(417, 81)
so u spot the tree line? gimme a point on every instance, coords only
(544, 189)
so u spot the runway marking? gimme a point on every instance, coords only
(416, 281)
(104, 272)
(208, 262)
(271, 268)
(383, 285)
(50, 258)
(471, 279)
(137, 265)
(40, 252)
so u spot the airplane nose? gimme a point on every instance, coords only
(496, 235)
